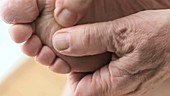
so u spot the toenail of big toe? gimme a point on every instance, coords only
(61, 41)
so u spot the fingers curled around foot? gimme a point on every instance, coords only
(20, 32)
(32, 46)
(84, 40)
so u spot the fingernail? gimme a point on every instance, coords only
(61, 41)
(67, 18)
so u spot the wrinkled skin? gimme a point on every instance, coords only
(40, 13)
(143, 48)
(43, 27)
(141, 41)
(114, 78)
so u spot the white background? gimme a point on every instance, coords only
(10, 52)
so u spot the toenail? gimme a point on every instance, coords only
(61, 41)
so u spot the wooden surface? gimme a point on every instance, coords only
(32, 79)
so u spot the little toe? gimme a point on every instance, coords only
(60, 66)
(46, 56)
(32, 46)
(20, 32)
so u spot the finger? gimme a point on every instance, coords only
(69, 12)
(119, 36)
(91, 39)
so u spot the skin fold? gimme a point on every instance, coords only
(44, 26)
(141, 41)
(133, 67)
(39, 13)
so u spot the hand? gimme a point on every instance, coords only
(27, 15)
(140, 42)
(100, 10)
(69, 12)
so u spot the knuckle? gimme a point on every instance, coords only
(86, 37)
(89, 36)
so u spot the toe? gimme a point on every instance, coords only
(46, 56)
(19, 11)
(20, 32)
(32, 46)
(60, 66)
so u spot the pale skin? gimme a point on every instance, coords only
(26, 17)
(140, 42)
(37, 31)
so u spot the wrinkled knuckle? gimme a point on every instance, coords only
(123, 36)
(86, 39)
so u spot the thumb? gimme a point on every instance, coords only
(90, 39)
(69, 12)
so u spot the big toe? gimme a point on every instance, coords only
(19, 11)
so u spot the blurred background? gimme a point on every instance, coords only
(22, 76)
(9, 51)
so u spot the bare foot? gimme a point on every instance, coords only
(34, 23)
